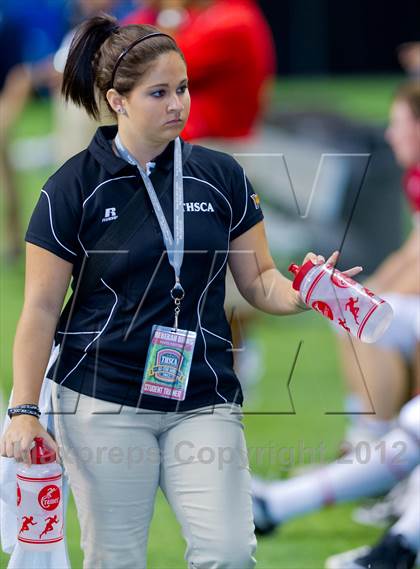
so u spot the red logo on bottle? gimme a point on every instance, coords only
(340, 280)
(342, 322)
(323, 308)
(49, 497)
(369, 292)
(26, 522)
(49, 526)
(352, 308)
(18, 495)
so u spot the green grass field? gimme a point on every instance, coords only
(315, 388)
(365, 98)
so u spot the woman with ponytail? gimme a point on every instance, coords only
(143, 389)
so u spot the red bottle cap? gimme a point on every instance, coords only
(41, 453)
(300, 273)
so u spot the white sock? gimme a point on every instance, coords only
(377, 427)
(371, 469)
(353, 404)
(366, 430)
(409, 523)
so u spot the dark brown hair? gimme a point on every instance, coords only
(94, 51)
(410, 93)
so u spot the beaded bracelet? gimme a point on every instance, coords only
(25, 409)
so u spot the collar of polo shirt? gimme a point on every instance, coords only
(99, 148)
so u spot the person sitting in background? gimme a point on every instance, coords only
(392, 458)
(385, 365)
(409, 58)
(379, 382)
(400, 545)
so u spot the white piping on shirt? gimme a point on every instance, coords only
(99, 332)
(88, 198)
(82, 246)
(52, 226)
(217, 336)
(209, 283)
(65, 333)
(72, 370)
(246, 202)
(201, 296)
(98, 335)
(105, 182)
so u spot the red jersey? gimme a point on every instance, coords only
(412, 187)
(141, 16)
(230, 56)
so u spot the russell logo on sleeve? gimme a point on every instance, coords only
(110, 214)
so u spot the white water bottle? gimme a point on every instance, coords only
(40, 520)
(349, 305)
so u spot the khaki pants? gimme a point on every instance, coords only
(116, 457)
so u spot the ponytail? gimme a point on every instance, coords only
(79, 76)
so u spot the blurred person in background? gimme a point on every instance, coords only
(392, 458)
(15, 87)
(43, 31)
(409, 58)
(73, 128)
(229, 49)
(391, 368)
(400, 546)
(29, 34)
(381, 380)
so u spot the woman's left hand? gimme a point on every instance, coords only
(320, 260)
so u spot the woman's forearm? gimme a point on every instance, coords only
(272, 292)
(31, 352)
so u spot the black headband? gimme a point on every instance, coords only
(127, 49)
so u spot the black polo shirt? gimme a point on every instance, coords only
(103, 346)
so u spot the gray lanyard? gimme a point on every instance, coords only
(174, 243)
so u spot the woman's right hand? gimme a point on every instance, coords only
(17, 440)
